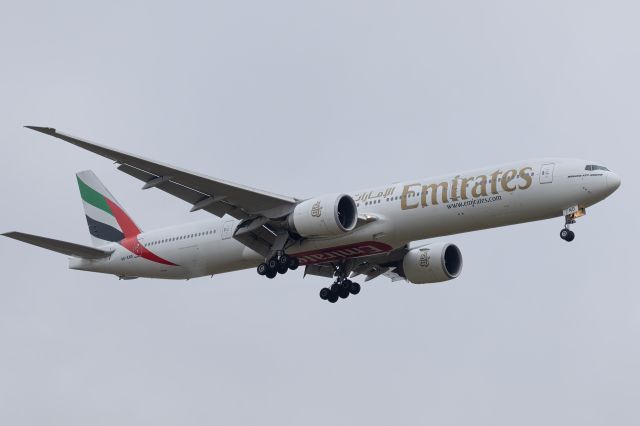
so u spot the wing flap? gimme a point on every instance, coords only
(70, 249)
(189, 195)
(319, 270)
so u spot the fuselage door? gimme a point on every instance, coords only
(227, 229)
(546, 173)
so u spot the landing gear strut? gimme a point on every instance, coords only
(278, 264)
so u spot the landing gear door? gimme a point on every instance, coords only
(227, 229)
(546, 173)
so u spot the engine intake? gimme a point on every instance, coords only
(432, 263)
(325, 216)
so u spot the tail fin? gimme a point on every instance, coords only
(107, 220)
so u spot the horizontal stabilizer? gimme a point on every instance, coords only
(70, 249)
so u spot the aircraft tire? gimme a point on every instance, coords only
(262, 269)
(284, 260)
(343, 292)
(271, 274)
(354, 288)
(293, 263)
(325, 293)
(282, 269)
(333, 297)
(273, 263)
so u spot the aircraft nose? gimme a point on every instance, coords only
(613, 181)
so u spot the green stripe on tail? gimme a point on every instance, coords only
(93, 197)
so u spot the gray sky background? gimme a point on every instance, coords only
(304, 98)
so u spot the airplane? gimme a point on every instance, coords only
(339, 236)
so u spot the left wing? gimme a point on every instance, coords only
(256, 209)
(203, 192)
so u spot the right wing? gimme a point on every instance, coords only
(70, 249)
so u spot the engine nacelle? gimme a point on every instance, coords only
(324, 216)
(432, 263)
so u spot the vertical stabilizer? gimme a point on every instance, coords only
(107, 220)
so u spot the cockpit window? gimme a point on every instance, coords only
(593, 167)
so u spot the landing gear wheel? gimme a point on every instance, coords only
(293, 263)
(284, 261)
(271, 273)
(335, 287)
(282, 269)
(272, 263)
(354, 288)
(325, 293)
(333, 297)
(343, 292)
(262, 269)
(567, 235)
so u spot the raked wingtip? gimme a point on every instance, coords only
(46, 130)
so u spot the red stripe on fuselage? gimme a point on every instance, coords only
(134, 246)
(366, 248)
(131, 232)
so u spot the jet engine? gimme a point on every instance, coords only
(432, 263)
(324, 216)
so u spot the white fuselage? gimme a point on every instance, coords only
(400, 213)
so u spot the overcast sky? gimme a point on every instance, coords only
(305, 98)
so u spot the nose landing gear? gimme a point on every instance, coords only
(570, 216)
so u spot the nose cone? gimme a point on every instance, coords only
(613, 181)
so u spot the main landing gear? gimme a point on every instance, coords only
(340, 289)
(278, 264)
